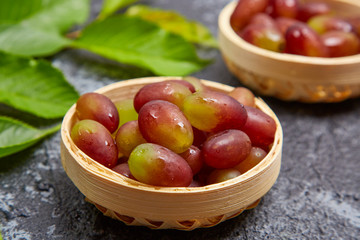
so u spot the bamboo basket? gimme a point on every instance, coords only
(180, 208)
(291, 77)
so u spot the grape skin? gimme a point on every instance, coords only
(96, 141)
(98, 107)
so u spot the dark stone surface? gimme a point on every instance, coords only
(317, 195)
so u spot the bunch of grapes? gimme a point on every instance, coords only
(290, 26)
(175, 133)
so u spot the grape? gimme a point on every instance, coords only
(156, 165)
(193, 157)
(163, 123)
(302, 40)
(98, 107)
(256, 155)
(265, 37)
(263, 19)
(128, 137)
(324, 23)
(195, 82)
(355, 22)
(284, 23)
(126, 111)
(185, 83)
(199, 137)
(243, 96)
(244, 11)
(341, 44)
(221, 175)
(123, 169)
(283, 8)
(212, 111)
(167, 90)
(96, 141)
(311, 9)
(260, 127)
(196, 183)
(226, 149)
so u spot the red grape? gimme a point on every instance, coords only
(221, 175)
(96, 141)
(123, 169)
(156, 165)
(171, 91)
(128, 137)
(163, 123)
(283, 8)
(243, 96)
(244, 11)
(256, 155)
(302, 40)
(324, 23)
(212, 111)
(284, 23)
(340, 43)
(98, 107)
(226, 149)
(193, 157)
(260, 127)
(311, 9)
(265, 37)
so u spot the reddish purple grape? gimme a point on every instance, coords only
(263, 19)
(283, 8)
(185, 83)
(265, 37)
(170, 91)
(128, 137)
(325, 23)
(284, 23)
(196, 183)
(158, 166)
(123, 169)
(96, 141)
(256, 155)
(212, 111)
(193, 157)
(163, 123)
(311, 9)
(244, 11)
(355, 22)
(341, 44)
(195, 82)
(199, 137)
(302, 40)
(243, 96)
(98, 107)
(221, 175)
(226, 149)
(260, 127)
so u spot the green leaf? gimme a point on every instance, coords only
(174, 22)
(111, 6)
(16, 135)
(34, 86)
(34, 27)
(134, 41)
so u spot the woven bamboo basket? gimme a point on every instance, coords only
(180, 208)
(291, 77)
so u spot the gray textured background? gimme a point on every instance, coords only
(317, 195)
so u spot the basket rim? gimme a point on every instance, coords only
(230, 34)
(138, 186)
